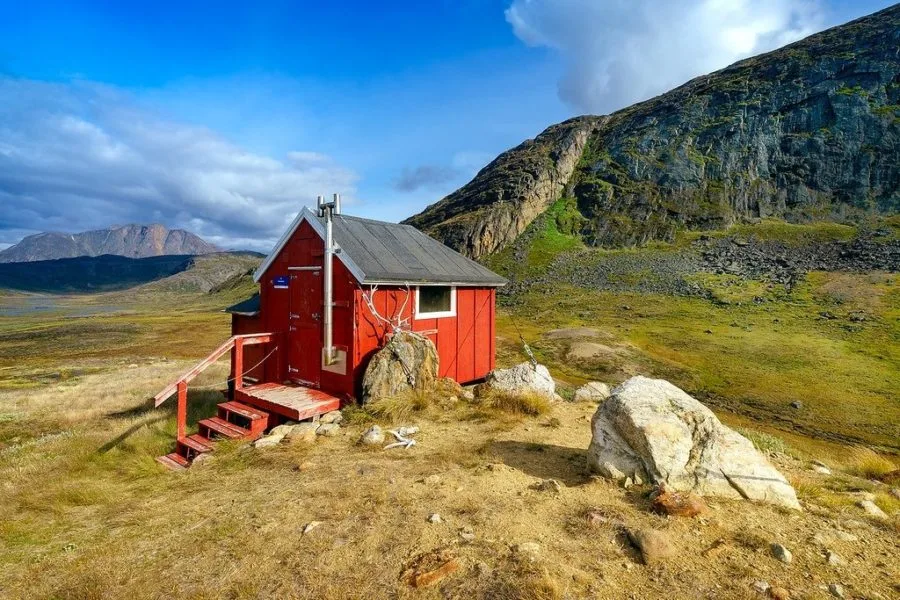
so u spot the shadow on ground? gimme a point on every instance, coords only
(545, 461)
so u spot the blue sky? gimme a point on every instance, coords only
(225, 117)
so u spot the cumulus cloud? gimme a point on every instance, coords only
(425, 176)
(79, 156)
(617, 52)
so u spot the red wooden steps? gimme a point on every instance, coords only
(234, 421)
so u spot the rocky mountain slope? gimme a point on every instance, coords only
(133, 241)
(807, 132)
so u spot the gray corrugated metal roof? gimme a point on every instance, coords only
(391, 252)
(380, 252)
(248, 307)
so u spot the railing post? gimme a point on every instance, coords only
(239, 364)
(181, 415)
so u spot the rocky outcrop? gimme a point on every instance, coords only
(807, 132)
(508, 194)
(407, 363)
(653, 430)
(133, 241)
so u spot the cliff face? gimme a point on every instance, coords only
(807, 132)
(133, 241)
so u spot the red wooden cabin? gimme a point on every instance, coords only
(383, 275)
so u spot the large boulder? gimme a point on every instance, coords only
(522, 378)
(407, 363)
(654, 429)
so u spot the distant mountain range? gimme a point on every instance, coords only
(132, 241)
(106, 273)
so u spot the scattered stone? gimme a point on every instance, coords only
(679, 504)
(596, 518)
(466, 534)
(796, 404)
(761, 586)
(373, 436)
(594, 391)
(268, 441)
(328, 429)
(871, 509)
(408, 363)
(523, 377)
(310, 526)
(637, 479)
(303, 433)
(836, 590)
(432, 480)
(650, 423)
(845, 536)
(822, 470)
(201, 458)
(781, 553)
(529, 550)
(628, 483)
(334, 416)
(548, 485)
(654, 545)
(609, 470)
(833, 559)
(435, 518)
(407, 430)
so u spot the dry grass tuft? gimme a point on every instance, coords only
(866, 463)
(516, 403)
(400, 407)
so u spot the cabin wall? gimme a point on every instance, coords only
(306, 248)
(465, 342)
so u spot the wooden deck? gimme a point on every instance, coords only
(289, 401)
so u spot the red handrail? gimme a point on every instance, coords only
(180, 385)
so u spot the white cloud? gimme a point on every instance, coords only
(83, 156)
(618, 52)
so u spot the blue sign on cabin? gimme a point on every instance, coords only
(280, 282)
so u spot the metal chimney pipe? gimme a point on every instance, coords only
(337, 204)
(328, 209)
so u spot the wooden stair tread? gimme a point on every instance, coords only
(248, 412)
(197, 443)
(174, 461)
(224, 428)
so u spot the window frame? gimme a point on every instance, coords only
(437, 314)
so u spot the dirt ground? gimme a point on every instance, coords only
(89, 514)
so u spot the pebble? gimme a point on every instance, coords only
(761, 586)
(822, 470)
(796, 404)
(779, 593)
(529, 550)
(310, 526)
(435, 518)
(836, 590)
(268, 441)
(782, 553)
(833, 559)
(548, 485)
(467, 534)
(654, 545)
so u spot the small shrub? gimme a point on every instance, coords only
(866, 463)
(518, 403)
(400, 407)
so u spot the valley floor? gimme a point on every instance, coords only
(89, 514)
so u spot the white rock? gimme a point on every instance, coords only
(836, 590)
(833, 559)
(653, 428)
(435, 518)
(310, 526)
(522, 378)
(594, 391)
(334, 416)
(871, 509)
(328, 429)
(821, 469)
(407, 430)
(761, 586)
(268, 441)
(373, 436)
(282, 430)
(302, 432)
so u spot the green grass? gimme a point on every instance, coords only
(750, 359)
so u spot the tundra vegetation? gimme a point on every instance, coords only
(89, 514)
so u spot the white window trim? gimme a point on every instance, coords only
(439, 314)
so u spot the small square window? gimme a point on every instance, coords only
(435, 301)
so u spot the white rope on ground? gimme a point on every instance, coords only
(215, 386)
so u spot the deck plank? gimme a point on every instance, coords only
(290, 401)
